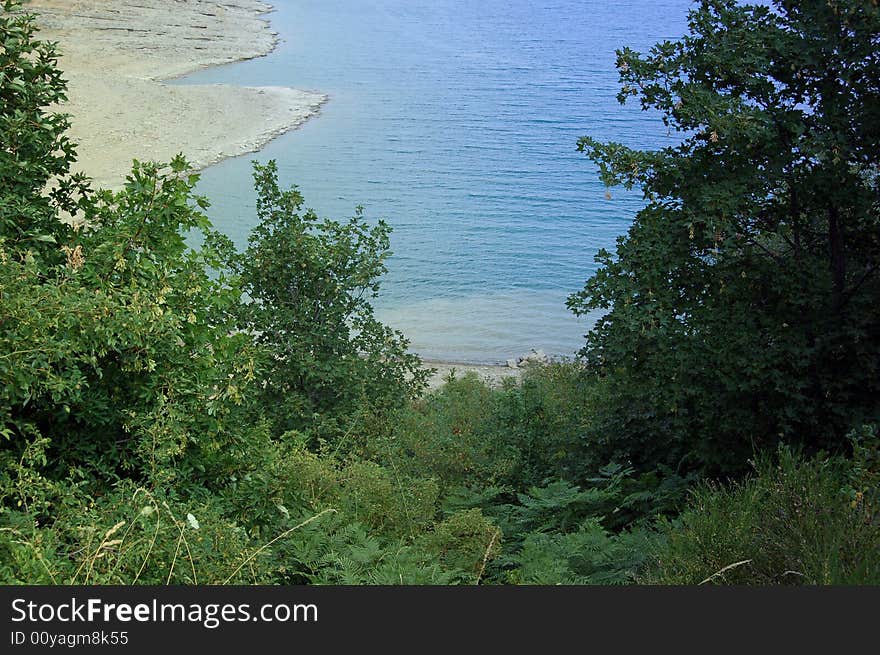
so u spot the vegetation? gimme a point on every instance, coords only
(743, 301)
(793, 523)
(171, 414)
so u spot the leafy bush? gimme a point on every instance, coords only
(465, 542)
(122, 356)
(468, 434)
(36, 149)
(545, 418)
(376, 497)
(325, 359)
(451, 435)
(792, 523)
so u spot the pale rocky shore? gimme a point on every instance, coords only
(116, 56)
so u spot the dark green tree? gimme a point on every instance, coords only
(744, 302)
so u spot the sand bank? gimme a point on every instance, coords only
(493, 374)
(115, 55)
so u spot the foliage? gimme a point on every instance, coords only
(792, 523)
(118, 355)
(742, 303)
(560, 533)
(466, 542)
(863, 473)
(130, 536)
(546, 416)
(35, 148)
(326, 359)
(466, 433)
(181, 415)
(589, 555)
(451, 434)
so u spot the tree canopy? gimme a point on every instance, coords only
(742, 305)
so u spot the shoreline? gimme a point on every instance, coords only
(493, 374)
(117, 57)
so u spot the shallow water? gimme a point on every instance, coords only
(457, 122)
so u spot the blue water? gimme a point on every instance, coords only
(457, 122)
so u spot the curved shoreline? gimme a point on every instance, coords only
(116, 56)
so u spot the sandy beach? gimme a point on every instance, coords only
(116, 56)
(493, 374)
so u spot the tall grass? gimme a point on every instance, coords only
(793, 522)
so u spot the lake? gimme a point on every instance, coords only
(457, 122)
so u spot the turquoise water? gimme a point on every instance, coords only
(457, 122)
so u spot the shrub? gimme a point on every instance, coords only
(130, 535)
(791, 523)
(588, 555)
(326, 360)
(466, 542)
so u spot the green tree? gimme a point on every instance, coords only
(310, 281)
(35, 155)
(123, 357)
(117, 349)
(743, 302)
